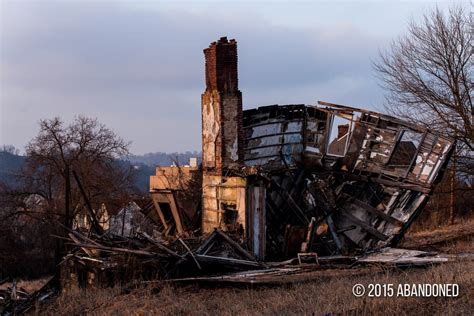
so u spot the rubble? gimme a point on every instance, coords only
(15, 300)
(99, 261)
(109, 259)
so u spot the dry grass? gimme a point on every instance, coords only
(333, 296)
(458, 238)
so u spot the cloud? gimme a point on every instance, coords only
(141, 72)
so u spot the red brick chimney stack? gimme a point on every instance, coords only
(342, 130)
(221, 66)
(222, 130)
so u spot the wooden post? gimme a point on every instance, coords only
(67, 197)
(452, 206)
(123, 218)
(95, 223)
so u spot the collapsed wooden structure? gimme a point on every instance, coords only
(325, 183)
(109, 260)
(325, 178)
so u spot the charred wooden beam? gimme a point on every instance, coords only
(160, 246)
(189, 252)
(369, 229)
(205, 246)
(235, 245)
(373, 210)
(228, 261)
(333, 232)
(397, 184)
(118, 249)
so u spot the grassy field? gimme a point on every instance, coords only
(326, 296)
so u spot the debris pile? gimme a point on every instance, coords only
(107, 260)
(15, 300)
(110, 260)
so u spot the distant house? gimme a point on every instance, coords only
(124, 222)
(129, 220)
(82, 220)
(33, 206)
(121, 223)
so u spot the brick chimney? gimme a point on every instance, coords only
(223, 191)
(222, 130)
(342, 130)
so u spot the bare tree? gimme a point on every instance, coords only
(86, 147)
(429, 76)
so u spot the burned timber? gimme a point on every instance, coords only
(279, 186)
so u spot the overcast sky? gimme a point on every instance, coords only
(139, 67)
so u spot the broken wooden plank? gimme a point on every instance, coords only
(89, 259)
(227, 261)
(116, 249)
(373, 210)
(236, 246)
(369, 229)
(402, 185)
(205, 245)
(397, 256)
(89, 252)
(95, 223)
(160, 246)
(190, 252)
(81, 236)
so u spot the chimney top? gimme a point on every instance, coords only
(221, 65)
(222, 41)
(342, 130)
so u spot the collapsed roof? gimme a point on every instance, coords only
(355, 179)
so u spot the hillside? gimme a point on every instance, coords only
(144, 165)
(163, 159)
(10, 164)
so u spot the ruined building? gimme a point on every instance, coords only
(291, 179)
(173, 213)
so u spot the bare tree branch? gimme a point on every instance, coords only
(428, 74)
